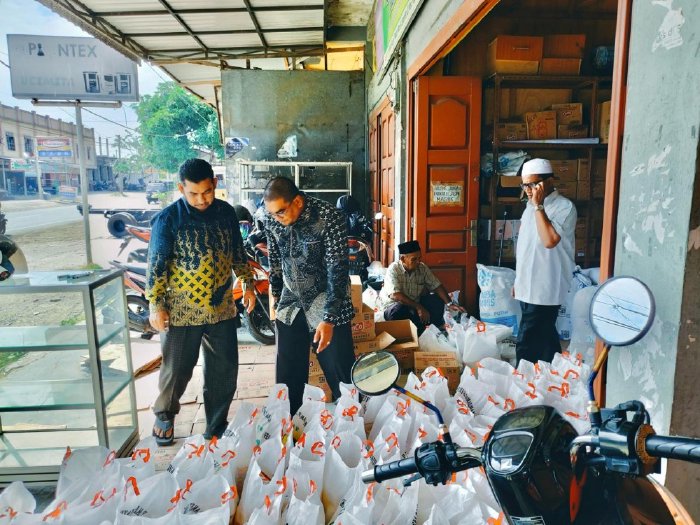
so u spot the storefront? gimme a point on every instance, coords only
(451, 105)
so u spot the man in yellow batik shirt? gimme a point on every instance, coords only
(195, 244)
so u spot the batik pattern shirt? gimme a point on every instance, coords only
(190, 260)
(309, 267)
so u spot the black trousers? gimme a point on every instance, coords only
(538, 339)
(293, 346)
(180, 349)
(431, 302)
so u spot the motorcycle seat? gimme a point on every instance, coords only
(140, 270)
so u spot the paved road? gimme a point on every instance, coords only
(23, 221)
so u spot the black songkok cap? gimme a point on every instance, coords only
(409, 247)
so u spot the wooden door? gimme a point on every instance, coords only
(445, 193)
(373, 178)
(387, 184)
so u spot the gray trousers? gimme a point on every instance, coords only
(180, 349)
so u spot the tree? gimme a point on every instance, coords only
(174, 124)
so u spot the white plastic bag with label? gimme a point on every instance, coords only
(150, 499)
(481, 341)
(579, 280)
(496, 302)
(15, 500)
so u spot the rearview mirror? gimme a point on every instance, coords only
(622, 311)
(376, 373)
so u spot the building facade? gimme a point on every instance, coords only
(19, 130)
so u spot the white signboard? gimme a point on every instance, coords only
(70, 68)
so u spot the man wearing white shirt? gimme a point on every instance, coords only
(544, 261)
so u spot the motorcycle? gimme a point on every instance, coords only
(136, 303)
(360, 235)
(539, 469)
(139, 255)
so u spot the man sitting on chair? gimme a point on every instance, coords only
(411, 291)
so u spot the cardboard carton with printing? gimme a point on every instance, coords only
(446, 362)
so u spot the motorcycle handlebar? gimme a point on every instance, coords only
(395, 469)
(683, 448)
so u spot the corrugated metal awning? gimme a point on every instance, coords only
(193, 40)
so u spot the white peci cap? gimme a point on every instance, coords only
(537, 167)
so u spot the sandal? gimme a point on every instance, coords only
(164, 432)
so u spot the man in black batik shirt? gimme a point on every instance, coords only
(308, 244)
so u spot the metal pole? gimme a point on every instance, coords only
(83, 181)
(4, 176)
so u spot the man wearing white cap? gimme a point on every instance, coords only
(544, 261)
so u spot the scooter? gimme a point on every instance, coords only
(139, 255)
(136, 303)
(539, 469)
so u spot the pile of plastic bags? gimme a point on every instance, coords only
(270, 469)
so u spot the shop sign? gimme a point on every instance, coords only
(68, 192)
(446, 193)
(54, 146)
(22, 165)
(68, 68)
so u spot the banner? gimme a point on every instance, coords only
(69, 68)
(54, 147)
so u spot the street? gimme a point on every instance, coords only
(32, 219)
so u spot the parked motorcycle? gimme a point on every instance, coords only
(136, 303)
(139, 255)
(359, 236)
(539, 469)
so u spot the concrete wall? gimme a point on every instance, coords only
(324, 109)
(658, 176)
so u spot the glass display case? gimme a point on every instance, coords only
(66, 376)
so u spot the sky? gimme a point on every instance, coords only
(28, 17)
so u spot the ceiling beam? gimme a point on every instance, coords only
(225, 32)
(213, 10)
(179, 19)
(254, 19)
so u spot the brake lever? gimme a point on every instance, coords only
(408, 481)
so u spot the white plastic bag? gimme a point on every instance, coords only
(481, 341)
(578, 281)
(496, 302)
(149, 499)
(14, 500)
(347, 457)
(582, 335)
(433, 340)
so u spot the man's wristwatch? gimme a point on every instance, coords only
(539, 207)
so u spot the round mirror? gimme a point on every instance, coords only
(622, 311)
(375, 373)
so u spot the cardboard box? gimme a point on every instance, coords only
(604, 121)
(510, 181)
(572, 131)
(356, 291)
(509, 229)
(519, 55)
(514, 103)
(564, 46)
(363, 324)
(375, 345)
(565, 170)
(560, 66)
(583, 173)
(581, 228)
(405, 343)
(541, 125)
(320, 381)
(569, 114)
(583, 190)
(580, 249)
(445, 362)
(566, 188)
(508, 251)
(511, 131)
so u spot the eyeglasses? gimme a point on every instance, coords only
(530, 185)
(283, 211)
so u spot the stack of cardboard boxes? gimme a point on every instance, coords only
(562, 54)
(398, 337)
